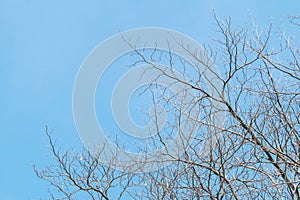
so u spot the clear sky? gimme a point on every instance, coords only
(42, 45)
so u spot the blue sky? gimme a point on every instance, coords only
(42, 45)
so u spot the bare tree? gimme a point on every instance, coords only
(253, 153)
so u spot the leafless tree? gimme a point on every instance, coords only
(254, 153)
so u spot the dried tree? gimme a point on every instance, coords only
(254, 153)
